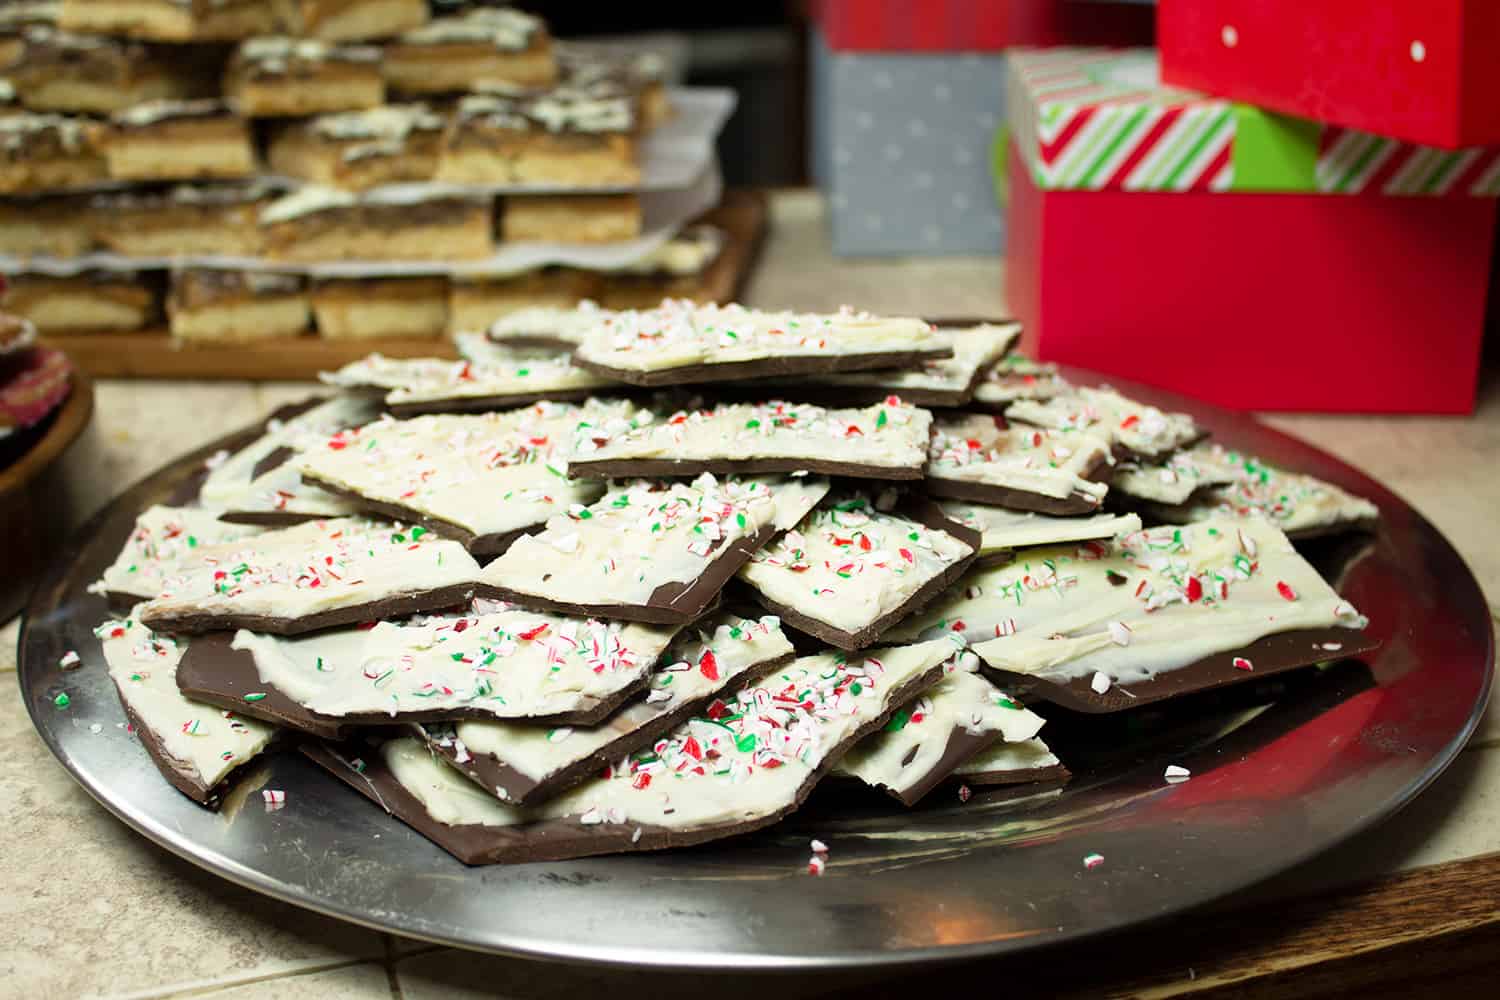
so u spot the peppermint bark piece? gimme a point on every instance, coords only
(1003, 530)
(1177, 477)
(1004, 763)
(1160, 613)
(548, 326)
(163, 542)
(313, 576)
(850, 570)
(1138, 430)
(1016, 377)
(487, 664)
(1302, 506)
(979, 458)
(482, 479)
(259, 485)
(195, 746)
(884, 441)
(651, 551)
(928, 739)
(682, 343)
(708, 778)
(524, 763)
(939, 382)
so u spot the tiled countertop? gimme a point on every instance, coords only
(89, 908)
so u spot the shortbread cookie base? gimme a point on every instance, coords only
(345, 88)
(353, 20)
(584, 160)
(310, 240)
(355, 310)
(188, 154)
(443, 69)
(166, 21)
(571, 219)
(242, 322)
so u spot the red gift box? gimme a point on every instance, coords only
(1256, 301)
(977, 25)
(1427, 71)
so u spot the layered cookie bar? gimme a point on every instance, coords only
(55, 227)
(673, 270)
(561, 136)
(94, 301)
(348, 20)
(361, 149)
(475, 301)
(236, 306)
(289, 76)
(604, 66)
(683, 343)
(18, 16)
(209, 219)
(324, 224)
(171, 20)
(483, 45)
(43, 152)
(579, 218)
(179, 140)
(89, 74)
(362, 308)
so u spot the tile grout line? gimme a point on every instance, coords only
(209, 988)
(392, 979)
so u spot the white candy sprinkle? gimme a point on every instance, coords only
(819, 847)
(217, 459)
(636, 836)
(566, 543)
(593, 817)
(1333, 647)
(1119, 633)
(69, 660)
(815, 865)
(1100, 683)
(1176, 773)
(96, 729)
(1093, 860)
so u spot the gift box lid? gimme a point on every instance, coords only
(978, 25)
(1101, 119)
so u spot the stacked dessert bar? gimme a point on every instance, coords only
(629, 580)
(240, 171)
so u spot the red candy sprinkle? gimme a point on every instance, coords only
(1194, 589)
(1285, 590)
(709, 665)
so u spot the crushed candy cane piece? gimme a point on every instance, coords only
(1176, 772)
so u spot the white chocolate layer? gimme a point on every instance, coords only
(509, 663)
(204, 742)
(230, 486)
(848, 564)
(293, 573)
(708, 772)
(1175, 479)
(889, 435)
(913, 744)
(1293, 502)
(160, 546)
(549, 322)
(1027, 755)
(487, 473)
(647, 535)
(973, 348)
(680, 333)
(1016, 377)
(1136, 427)
(970, 448)
(696, 665)
(1154, 601)
(1004, 529)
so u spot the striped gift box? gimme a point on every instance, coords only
(1100, 120)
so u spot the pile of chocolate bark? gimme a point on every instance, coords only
(633, 580)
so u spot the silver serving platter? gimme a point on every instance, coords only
(1282, 769)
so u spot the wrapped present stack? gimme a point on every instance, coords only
(1305, 229)
(238, 171)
